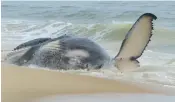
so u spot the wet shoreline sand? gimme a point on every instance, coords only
(21, 84)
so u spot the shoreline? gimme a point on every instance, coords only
(21, 84)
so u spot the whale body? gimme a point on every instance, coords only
(71, 52)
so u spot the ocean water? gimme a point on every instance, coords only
(104, 22)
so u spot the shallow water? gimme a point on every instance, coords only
(104, 22)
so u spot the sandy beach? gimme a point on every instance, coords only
(21, 84)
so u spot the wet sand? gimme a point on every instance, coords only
(20, 84)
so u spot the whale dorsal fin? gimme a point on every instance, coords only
(135, 42)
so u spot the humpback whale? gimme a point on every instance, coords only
(72, 52)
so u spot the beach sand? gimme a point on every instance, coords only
(20, 84)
